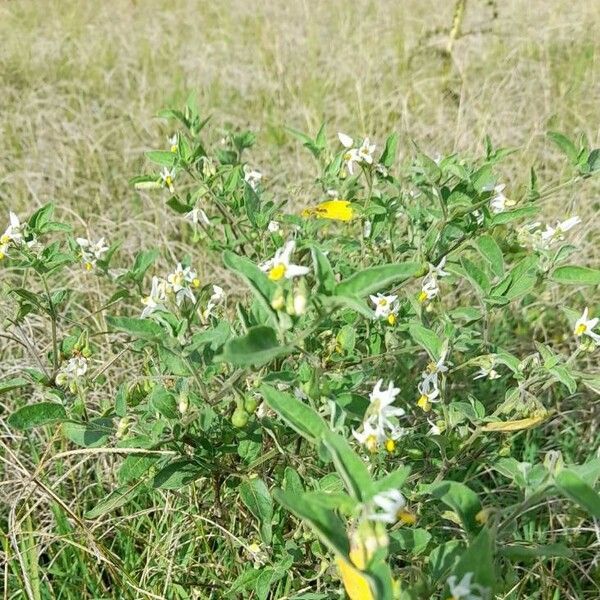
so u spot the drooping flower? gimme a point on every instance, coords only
(429, 393)
(585, 325)
(216, 298)
(499, 202)
(336, 210)
(252, 177)
(91, 252)
(553, 234)
(487, 372)
(430, 287)
(197, 216)
(168, 176)
(434, 369)
(280, 267)
(174, 142)
(155, 301)
(12, 234)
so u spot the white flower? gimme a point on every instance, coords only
(167, 176)
(384, 305)
(371, 436)
(391, 505)
(487, 372)
(435, 429)
(180, 281)
(273, 226)
(345, 140)
(217, 298)
(174, 142)
(74, 369)
(439, 270)
(464, 589)
(380, 409)
(91, 252)
(196, 216)
(12, 234)
(499, 201)
(155, 301)
(366, 150)
(252, 177)
(556, 234)
(584, 326)
(428, 394)
(280, 266)
(433, 370)
(429, 288)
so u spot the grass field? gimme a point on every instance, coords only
(80, 86)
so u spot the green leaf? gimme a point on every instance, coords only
(490, 250)
(519, 552)
(389, 153)
(323, 271)
(512, 215)
(163, 402)
(262, 287)
(479, 560)
(8, 385)
(255, 495)
(574, 275)
(299, 416)
(577, 490)
(36, 415)
(115, 499)
(143, 261)
(258, 347)
(251, 204)
(375, 279)
(444, 557)
(427, 339)
(392, 481)
(413, 541)
(139, 328)
(565, 144)
(89, 435)
(350, 467)
(462, 500)
(178, 474)
(326, 524)
(162, 157)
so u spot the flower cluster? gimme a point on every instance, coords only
(378, 427)
(72, 371)
(175, 288)
(544, 239)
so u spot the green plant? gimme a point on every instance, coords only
(373, 365)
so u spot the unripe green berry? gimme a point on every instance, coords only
(239, 418)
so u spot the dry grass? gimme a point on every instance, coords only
(80, 83)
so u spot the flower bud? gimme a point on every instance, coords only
(278, 300)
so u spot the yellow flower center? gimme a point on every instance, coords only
(169, 180)
(196, 282)
(580, 329)
(4, 239)
(406, 517)
(174, 148)
(423, 402)
(383, 302)
(371, 443)
(390, 445)
(88, 266)
(277, 272)
(2, 255)
(392, 319)
(422, 297)
(348, 156)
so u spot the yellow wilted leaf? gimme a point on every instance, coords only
(356, 584)
(508, 426)
(337, 210)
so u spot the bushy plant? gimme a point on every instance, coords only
(364, 384)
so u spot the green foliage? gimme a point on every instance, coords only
(370, 370)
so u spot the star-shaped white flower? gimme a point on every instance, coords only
(280, 266)
(155, 301)
(464, 589)
(585, 325)
(386, 306)
(389, 507)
